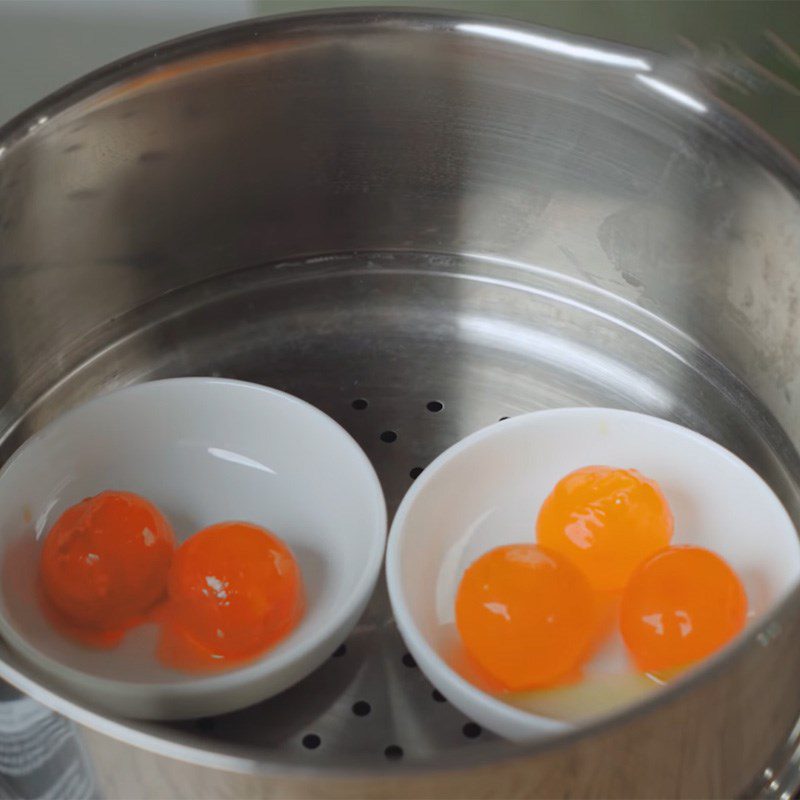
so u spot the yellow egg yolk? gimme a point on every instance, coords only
(234, 591)
(680, 606)
(606, 522)
(525, 615)
(105, 561)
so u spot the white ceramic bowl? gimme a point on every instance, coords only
(487, 489)
(204, 450)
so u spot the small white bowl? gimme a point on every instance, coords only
(486, 491)
(204, 450)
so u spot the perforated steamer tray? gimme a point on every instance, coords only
(410, 352)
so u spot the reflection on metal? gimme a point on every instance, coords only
(551, 44)
(560, 353)
(673, 93)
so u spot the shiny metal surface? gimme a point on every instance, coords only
(401, 208)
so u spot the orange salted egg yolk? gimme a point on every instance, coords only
(680, 606)
(525, 615)
(234, 590)
(105, 561)
(605, 521)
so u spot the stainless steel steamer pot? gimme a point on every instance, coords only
(421, 223)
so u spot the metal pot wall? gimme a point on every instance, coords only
(404, 208)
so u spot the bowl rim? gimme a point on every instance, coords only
(267, 663)
(728, 122)
(417, 642)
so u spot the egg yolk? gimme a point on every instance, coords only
(234, 591)
(105, 561)
(605, 521)
(525, 615)
(680, 606)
